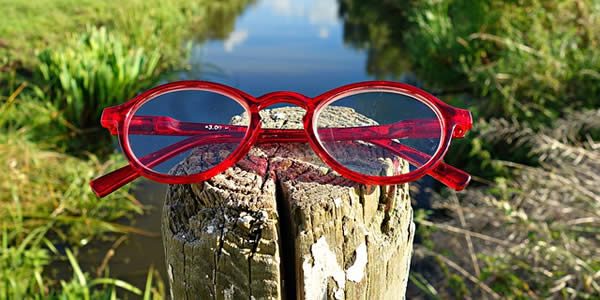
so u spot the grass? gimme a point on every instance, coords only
(152, 24)
(45, 199)
(525, 59)
(47, 187)
(94, 71)
(34, 120)
(529, 60)
(23, 259)
(61, 63)
(535, 236)
(22, 264)
(529, 71)
(531, 232)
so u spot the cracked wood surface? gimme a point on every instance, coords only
(281, 225)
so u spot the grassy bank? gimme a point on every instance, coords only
(61, 63)
(532, 60)
(47, 210)
(47, 213)
(529, 71)
(44, 187)
(28, 26)
(534, 235)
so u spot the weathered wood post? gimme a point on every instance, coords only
(281, 225)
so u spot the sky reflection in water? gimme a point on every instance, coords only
(283, 45)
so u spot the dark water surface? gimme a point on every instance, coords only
(306, 46)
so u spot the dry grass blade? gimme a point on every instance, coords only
(462, 271)
(463, 223)
(459, 230)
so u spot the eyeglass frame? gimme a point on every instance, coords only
(454, 122)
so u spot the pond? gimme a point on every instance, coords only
(306, 46)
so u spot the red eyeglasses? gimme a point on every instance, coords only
(360, 130)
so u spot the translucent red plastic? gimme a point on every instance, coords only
(120, 120)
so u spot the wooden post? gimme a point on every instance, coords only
(281, 225)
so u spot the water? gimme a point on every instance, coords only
(134, 256)
(303, 46)
(284, 45)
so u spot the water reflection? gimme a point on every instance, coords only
(219, 19)
(377, 27)
(282, 45)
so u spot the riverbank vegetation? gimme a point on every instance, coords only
(61, 62)
(529, 70)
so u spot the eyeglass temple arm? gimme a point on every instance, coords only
(450, 176)
(415, 128)
(106, 184)
(110, 182)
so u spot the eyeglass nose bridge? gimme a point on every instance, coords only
(294, 98)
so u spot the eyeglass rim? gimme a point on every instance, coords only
(253, 105)
(373, 179)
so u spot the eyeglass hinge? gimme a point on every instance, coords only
(464, 122)
(111, 118)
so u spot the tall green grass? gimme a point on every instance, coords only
(94, 71)
(45, 199)
(532, 60)
(22, 264)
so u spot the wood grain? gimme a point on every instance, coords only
(281, 225)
